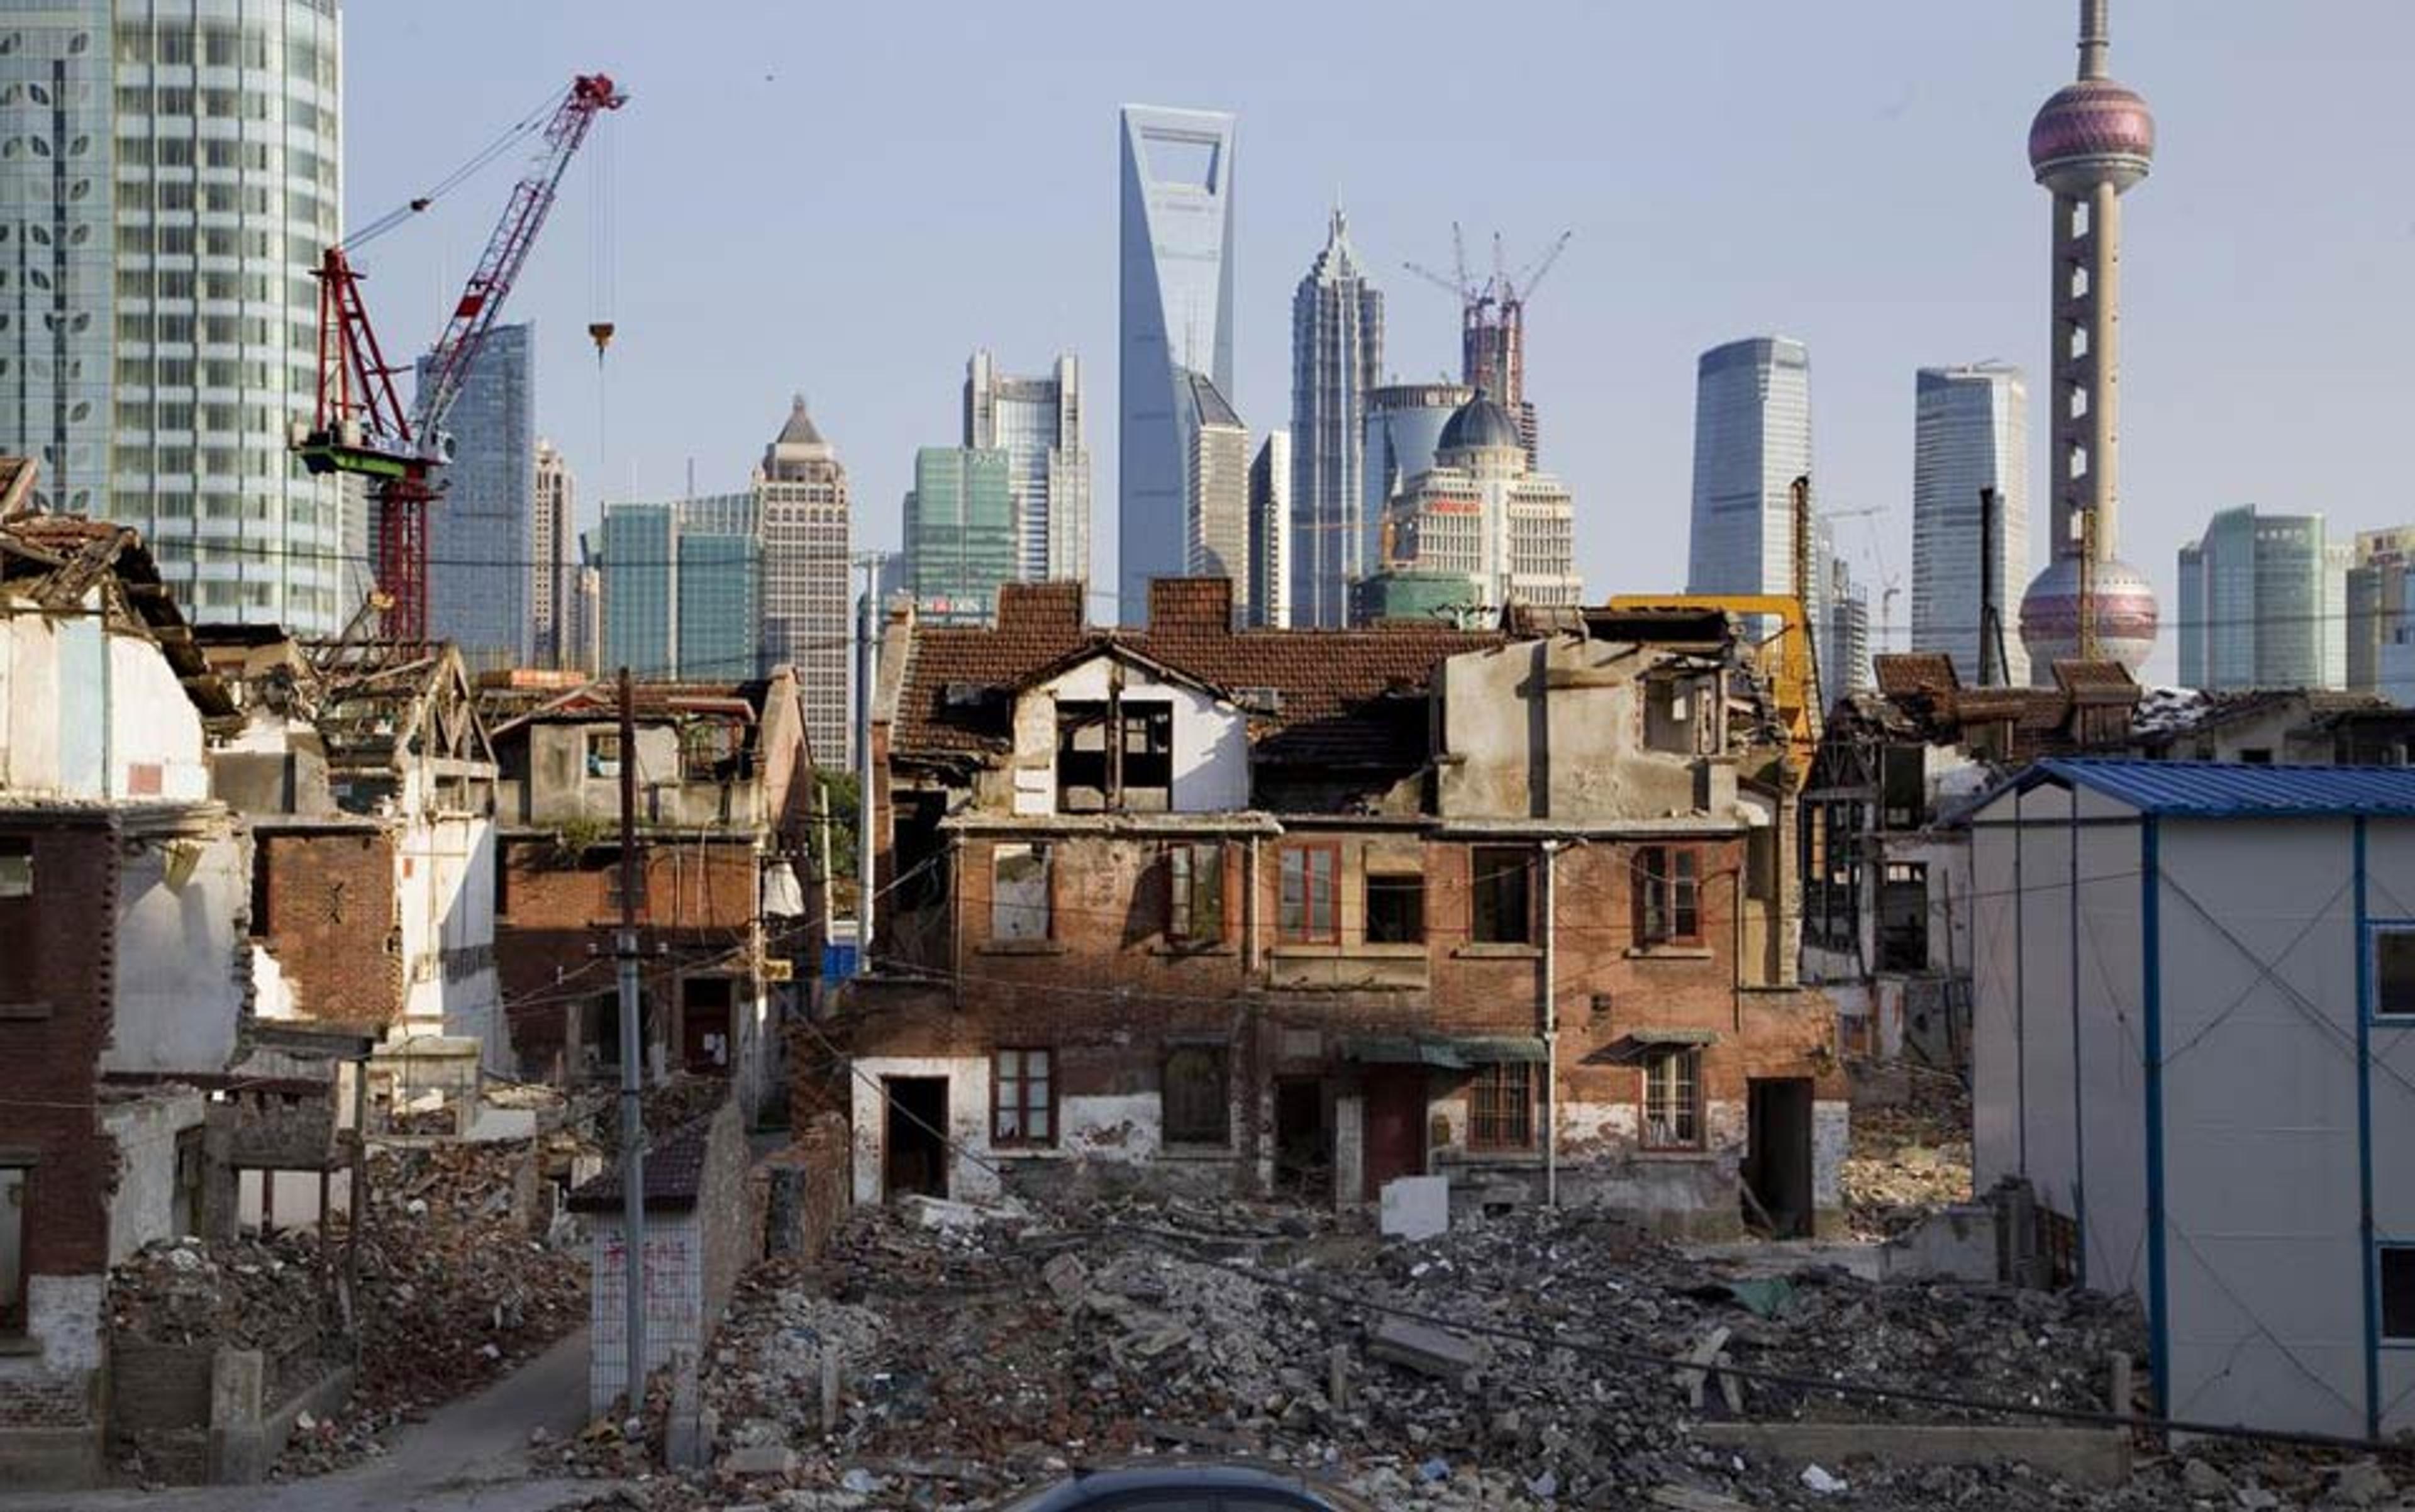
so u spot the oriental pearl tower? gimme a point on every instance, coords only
(2092, 141)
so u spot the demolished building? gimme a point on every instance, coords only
(1310, 910)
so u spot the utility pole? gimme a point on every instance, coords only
(633, 1116)
(868, 665)
(1987, 611)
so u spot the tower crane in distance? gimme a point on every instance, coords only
(360, 426)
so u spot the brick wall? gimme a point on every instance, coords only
(331, 921)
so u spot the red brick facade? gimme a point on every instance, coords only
(323, 903)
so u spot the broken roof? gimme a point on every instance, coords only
(49, 563)
(1336, 692)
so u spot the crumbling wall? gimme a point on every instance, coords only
(332, 922)
(146, 1133)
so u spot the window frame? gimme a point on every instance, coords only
(1305, 931)
(1024, 1106)
(1688, 1058)
(1045, 852)
(16, 880)
(1186, 885)
(1411, 884)
(1490, 1101)
(1191, 1137)
(1667, 882)
(14, 1315)
(1480, 879)
(2375, 931)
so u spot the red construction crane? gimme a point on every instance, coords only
(360, 424)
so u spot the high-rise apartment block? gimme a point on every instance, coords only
(801, 511)
(2263, 603)
(1216, 513)
(1969, 432)
(173, 170)
(482, 530)
(1037, 423)
(1337, 351)
(553, 561)
(1270, 537)
(960, 531)
(1176, 319)
(1479, 514)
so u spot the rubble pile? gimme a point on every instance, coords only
(1909, 1159)
(979, 1354)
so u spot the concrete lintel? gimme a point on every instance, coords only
(2081, 1455)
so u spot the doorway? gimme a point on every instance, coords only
(914, 1138)
(1396, 1127)
(1778, 1153)
(1303, 1151)
(707, 1025)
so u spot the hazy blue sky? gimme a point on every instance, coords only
(846, 199)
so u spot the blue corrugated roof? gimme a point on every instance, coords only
(2228, 789)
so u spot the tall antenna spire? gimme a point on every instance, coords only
(2096, 38)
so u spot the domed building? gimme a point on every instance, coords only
(1480, 514)
(2092, 140)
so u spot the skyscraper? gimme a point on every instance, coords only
(682, 588)
(553, 563)
(2261, 596)
(1970, 432)
(1336, 349)
(2375, 606)
(173, 170)
(1479, 514)
(1845, 646)
(1270, 532)
(1752, 439)
(1404, 425)
(802, 514)
(1037, 421)
(482, 531)
(1176, 282)
(2089, 141)
(641, 588)
(960, 531)
(1216, 446)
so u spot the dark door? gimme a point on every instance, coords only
(1778, 1156)
(707, 1028)
(1303, 1155)
(1396, 1127)
(915, 1140)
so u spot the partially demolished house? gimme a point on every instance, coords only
(728, 899)
(1310, 910)
(138, 1088)
(1887, 885)
(364, 775)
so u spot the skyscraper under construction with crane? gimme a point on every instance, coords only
(1492, 327)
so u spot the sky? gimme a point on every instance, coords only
(844, 200)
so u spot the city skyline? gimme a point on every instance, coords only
(1938, 108)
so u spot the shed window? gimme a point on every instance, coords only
(1501, 1106)
(604, 754)
(1019, 893)
(1396, 908)
(2393, 971)
(2397, 1264)
(1673, 1099)
(1501, 914)
(16, 867)
(1195, 893)
(1668, 896)
(1197, 1102)
(1023, 1103)
(1305, 911)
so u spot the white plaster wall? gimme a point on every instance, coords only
(144, 1205)
(64, 1315)
(182, 967)
(1832, 1129)
(968, 1094)
(272, 996)
(1211, 741)
(297, 1194)
(2112, 1058)
(674, 1283)
(1995, 1008)
(1124, 1127)
(54, 688)
(447, 901)
(29, 704)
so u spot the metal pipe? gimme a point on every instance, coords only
(1550, 1026)
(867, 662)
(633, 1118)
(1988, 612)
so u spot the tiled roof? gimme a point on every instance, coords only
(2227, 789)
(1332, 683)
(1908, 672)
(674, 1175)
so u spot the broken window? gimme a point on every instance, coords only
(1671, 722)
(16, 867)
(13, 1182)
(1667, 895)
(1023, 1097)
(1501, 1106)
(604, 753)
(1019, 893)
(1197, 1102)
(1903, 917)
(1305, 905)
(2393, 971)
(1116, 754)
(705, 747)
(1195, 893)
(2397, 1264)
(1673, 1106)
(1831, 876)
(258, 927)
(1396, 908)
(185, 1203)
(1903, 782)
(1502, 915)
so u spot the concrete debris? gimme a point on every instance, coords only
(1426, 1350)
(1906, 1162)
(1819, 1483)
(1415, 1208)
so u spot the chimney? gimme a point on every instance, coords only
(1040, 609)
(1189, 606)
